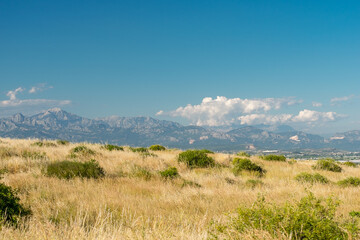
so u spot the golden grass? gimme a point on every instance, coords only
(121, 206)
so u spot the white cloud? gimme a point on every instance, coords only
(317, 104)
(14, 102)
(314, 116)
(41, 87)
(264, 119)
(341, 99)
(223, 111)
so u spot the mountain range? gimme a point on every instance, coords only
(144, 131)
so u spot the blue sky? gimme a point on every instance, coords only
(294, 62)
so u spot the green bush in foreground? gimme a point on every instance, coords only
(113, 147)
(349, 182)
(271, 157)
(71, 169)
(311, 178)
(196, 159)
(245, 164)
(328, 165)
(310, 218)
(157, 148)
(10, 208)
(206, 151)
(170, 173)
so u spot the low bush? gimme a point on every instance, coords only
(71, 169)
(245, 164)
(10, 208)
(139, 149)
(196, 159)
(82, 150)
(33, 154)
(309, 218)
(243, 154)
(350, 164)
(113, 147)
(62, 142)
(311, 178)
(157, 148)
(206, 151)
(141, 172)
(349, 182)
(169, 173)
(277, 158)
(253, 183)
(44, 144)
(328, 165)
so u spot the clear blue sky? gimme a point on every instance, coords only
(133, 58)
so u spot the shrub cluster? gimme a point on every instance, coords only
(44, 144)
(141, 172)
(157, 148)
(328, 165)
(310, 218)
(206, 151)
(82, 151)
(33, 154)
(271, 157)
(62, 142)
(10, 208)
(71, 169)
(350, 164)
(243, 154)
(349, 182)
(245, 164)
(311, 178)
(252, 183)
(196, 159)
(139, 149)
(169, 173)
(113, 147)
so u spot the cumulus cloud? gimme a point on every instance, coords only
(224, 111)
(341, 99)
(12, 94)
(314, 116)
(39, 88)
(252, 119)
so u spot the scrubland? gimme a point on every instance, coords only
(134, 201)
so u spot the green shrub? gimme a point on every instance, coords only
(310, 218)
(328, 165)
(252, 183)
(243, 154)
(10, 208)
(83, 150)
(349, 182)
(71, 169)
(350, 164)
(139, 149)
(113, 147)
(245, 164)
(62, 142)
(277, 158)
(169, 173)
(141, 172)
(206, 151)
(196, 159)
(311, 178)
(157, 148)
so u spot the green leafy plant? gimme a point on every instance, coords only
(157, 148)
(71, 169)
(44, 144)
(309, 218)
(350, 164)
(196, 159)
(141, 172)
(113, 147)
(139, 149)
(33, 154)
(243, 154)
(328, 165)
(311, 178)
(245, 164)
(81, 150)
(169, 173)
(349, 182)
(271, 157)
(206, 151)
(10, 208)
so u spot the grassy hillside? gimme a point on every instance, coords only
(133, 200)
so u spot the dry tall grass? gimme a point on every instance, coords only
(122, 206)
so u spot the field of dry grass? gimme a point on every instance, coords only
(123, 205)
